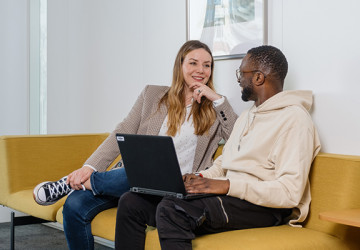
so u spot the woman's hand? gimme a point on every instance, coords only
(78, 177)
(201, 90)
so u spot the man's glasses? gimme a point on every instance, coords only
(240, 73)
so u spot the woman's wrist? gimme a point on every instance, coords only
(218, 101)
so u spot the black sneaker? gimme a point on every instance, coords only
(47, 193)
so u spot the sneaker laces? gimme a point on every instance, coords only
(58, 188)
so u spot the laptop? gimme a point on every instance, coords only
(152, 167)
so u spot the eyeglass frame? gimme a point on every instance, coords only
(240, 73)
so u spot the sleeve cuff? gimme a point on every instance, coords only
(218, 102)
(89, 166)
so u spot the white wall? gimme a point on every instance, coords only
(14, 67)
(14, 73)
(102, 53)
(95, 63)
(164, 32)
(321, 41)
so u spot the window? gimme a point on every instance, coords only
(38, 67)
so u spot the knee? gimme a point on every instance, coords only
(166, 211)
(73, 206)
(128, 204)
(123, 204)
(165, 207)
(172, 221)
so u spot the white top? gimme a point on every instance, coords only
(185, 142)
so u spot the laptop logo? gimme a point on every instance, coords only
(120, 138)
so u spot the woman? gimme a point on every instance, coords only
(190, 111)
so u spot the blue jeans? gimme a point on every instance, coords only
(81, 206)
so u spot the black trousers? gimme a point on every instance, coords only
(179, 221)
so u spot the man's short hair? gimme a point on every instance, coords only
(267, 57)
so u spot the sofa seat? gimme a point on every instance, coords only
(271, 238)
(277, 238)
(23, 201)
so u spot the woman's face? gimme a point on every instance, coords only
(197, 67)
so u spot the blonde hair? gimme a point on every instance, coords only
(203, 113)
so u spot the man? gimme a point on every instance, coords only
(260, 180)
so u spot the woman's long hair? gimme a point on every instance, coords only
(203, 113)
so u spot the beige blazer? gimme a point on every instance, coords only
(145, 118)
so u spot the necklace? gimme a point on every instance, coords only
(188, 100)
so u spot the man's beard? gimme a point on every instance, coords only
(247, 92)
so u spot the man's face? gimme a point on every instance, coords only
(247, 90)
(245, 80)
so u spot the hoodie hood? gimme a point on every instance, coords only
(301, 98)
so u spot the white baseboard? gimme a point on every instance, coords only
(5, 214)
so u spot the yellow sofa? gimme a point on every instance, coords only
(335, 185)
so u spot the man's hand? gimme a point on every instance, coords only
(188, 177)
(78, 177)
(197, 184)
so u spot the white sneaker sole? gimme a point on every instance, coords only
(35, 195)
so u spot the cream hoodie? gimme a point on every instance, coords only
(268, 156)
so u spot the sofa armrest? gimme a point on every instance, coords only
(28, 160)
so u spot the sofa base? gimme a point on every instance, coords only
(21, 221)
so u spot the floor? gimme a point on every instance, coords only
(36, 237)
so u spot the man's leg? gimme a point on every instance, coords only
(224, 213)
(134, 213)
(178, 221)
(79, 210)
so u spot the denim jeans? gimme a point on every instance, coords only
(81, 206)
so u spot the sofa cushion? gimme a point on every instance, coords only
(281, 237)
(23, 201)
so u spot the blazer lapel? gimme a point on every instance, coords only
(203, 144)
(156, 119)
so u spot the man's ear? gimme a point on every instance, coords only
(258, 78)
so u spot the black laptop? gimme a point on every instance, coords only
(152, 166)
